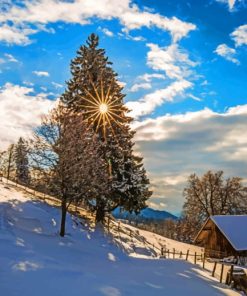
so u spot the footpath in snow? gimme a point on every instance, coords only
(35, 261)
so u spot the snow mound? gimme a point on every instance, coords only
(35, 260)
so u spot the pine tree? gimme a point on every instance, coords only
(21, 162)
(94, 93)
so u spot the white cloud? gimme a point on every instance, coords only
(149, 102)
(172, 60)
(28, 83)
(136, 38)
(177, 65)
(239, 35)
(230, 3)
(43, 12)
(227, 52)
(41, 73)
(195, 98)
(138, 86)
(11, 58)
(20, 112)
(205, 82)
(148, 77)
(127, 36)
(15, 34)
(43, 88)
(121, 83)
(107, 32)
(188, 143)
(57, 85)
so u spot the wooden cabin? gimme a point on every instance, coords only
(224, 236)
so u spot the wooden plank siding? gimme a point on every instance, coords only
(214, 242)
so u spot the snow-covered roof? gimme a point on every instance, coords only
(234, 228)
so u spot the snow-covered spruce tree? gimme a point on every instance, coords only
(65, 152)
(95, 94)
(21, 162)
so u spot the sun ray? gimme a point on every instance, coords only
(107, 116)
(90, 111)
(114, 120)
(91, 107)
(117, 105)
(112, 102)
(108, 91)
(95, 90)
(115, 109)
(92, 115)
(114, 114)
(103, 108)
(102, 91)
(95, 100)
(104, 126)
(98, 125)
(98, 115)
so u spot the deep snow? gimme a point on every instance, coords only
(35, 261)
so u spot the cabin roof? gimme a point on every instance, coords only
(234, 228)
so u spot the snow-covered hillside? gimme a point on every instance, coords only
(35, 261)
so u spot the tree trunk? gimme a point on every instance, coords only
(9, 161)
(100, 215)
(63, 218)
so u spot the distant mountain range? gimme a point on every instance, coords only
(146, 214)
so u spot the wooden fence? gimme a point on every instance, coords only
(220, 270)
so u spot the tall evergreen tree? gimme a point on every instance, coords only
(95, 94)
(21, 162)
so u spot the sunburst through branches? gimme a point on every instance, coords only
(103, 109)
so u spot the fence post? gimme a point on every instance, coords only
(187, 255)
(229, 276)
(173, 253)
(203, 262)
(180, 256)
(108, 224)
(162, 251)
(168, 253)
(221, 272)
(213, 272)
(195, 258)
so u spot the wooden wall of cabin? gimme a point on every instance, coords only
(214, 241)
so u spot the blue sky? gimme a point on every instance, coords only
(183, 65)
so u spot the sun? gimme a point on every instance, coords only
(102, 108)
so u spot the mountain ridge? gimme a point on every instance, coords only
(145, 214)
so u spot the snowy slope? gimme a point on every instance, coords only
(35, 261)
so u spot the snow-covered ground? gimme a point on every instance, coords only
(35, 261)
